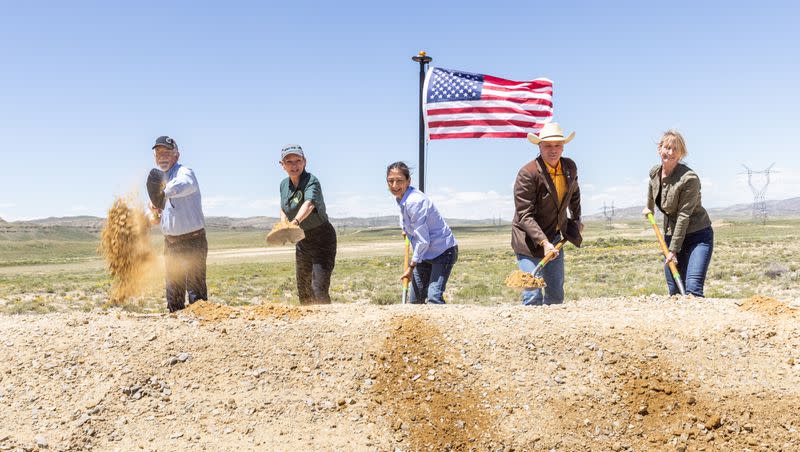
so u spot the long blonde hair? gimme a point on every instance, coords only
(675, 140)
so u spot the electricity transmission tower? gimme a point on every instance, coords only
(609, 215)
(759, 193)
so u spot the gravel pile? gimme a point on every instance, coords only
(644, 373)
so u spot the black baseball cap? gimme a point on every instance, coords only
(165, 141)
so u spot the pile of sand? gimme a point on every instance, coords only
(523, 280)
(768, 306)
(271, 311)
(208, 311)
(125, 245)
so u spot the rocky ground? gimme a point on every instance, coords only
(650, 373)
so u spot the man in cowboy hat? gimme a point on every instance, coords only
(547, 203)
(183, 225)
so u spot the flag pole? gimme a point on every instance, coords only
(423, 60)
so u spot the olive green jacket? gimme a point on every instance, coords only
(677, 196)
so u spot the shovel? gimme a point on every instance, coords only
(405, 267)
(665, 251)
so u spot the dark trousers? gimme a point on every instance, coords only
(693, 261)
(315, 257)
(185, 262)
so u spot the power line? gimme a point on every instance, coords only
(759, 193)
(609, 215)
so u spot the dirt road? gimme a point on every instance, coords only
(262, 254)
(648, 373)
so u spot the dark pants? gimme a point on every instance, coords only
(185, 262)
(430, 277)
(693, 261)
(315, 257)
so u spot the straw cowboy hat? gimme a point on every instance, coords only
(550, 132)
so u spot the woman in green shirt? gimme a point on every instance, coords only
(675, 189)
(302, 204)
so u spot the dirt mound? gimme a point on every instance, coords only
(209, 312)
(768, 306)
(646, 373)
(275, 311)
(660, 406)
(421, 389)
(125, 246)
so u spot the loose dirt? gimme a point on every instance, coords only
(125, 246)
(768, 306)
(207, 311)
(425, 394)
(283, 232)
(523, 280)
(638, 373)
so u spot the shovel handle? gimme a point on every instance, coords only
(405, 267)
(665, 251)
(549, 256)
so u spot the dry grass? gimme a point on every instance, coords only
(748, 260)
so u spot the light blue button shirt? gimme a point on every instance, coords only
(429, 234)
(183, 212)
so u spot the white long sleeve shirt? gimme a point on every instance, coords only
(183, 212)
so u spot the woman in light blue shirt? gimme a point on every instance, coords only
(435, 247)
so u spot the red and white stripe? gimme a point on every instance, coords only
(507, 109)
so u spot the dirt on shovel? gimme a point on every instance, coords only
(523, 280)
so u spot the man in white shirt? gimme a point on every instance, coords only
(183, 226)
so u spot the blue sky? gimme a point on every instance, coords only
(85, 88)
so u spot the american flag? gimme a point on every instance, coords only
(460, 104)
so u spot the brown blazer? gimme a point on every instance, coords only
(538, 215)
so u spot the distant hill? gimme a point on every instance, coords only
(784, 208)
(240, 223)
(82, 221)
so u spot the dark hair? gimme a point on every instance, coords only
(399, 166)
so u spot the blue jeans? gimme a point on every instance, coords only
(553, 275)
(430, 277)
(693, 261)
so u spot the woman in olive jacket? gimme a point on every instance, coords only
(675, 189)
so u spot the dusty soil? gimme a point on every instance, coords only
(519, 279)
(125, 246)
(284, 232)
(213, 312)
(648, 373)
